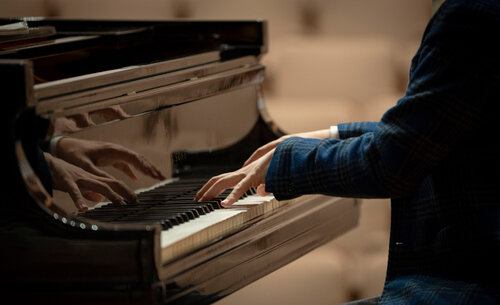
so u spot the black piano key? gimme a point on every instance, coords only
(148, 199)
(165, 223)
(199, 208)
(195, 209)
(208, 206)
(215, 204)
(173, 219)
(185, 214)
(251, 191)
(169, 205)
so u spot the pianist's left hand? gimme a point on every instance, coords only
(80, 184)
(250, 175)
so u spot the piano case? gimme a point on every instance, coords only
(188, 96)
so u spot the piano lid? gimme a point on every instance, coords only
(105, 77)
(79, 47)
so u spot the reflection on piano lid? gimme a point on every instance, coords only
(185, 95)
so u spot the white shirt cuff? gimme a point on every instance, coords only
(53, 145)
(334, 132)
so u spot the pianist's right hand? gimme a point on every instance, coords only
(80, 184)
(241, 180)
(252, 174)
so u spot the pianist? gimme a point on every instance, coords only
(433, 154)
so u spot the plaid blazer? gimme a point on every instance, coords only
(434, 155)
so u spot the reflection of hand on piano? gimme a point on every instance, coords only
(83, 120)
(111, 113)
(80, 184)
(91, 154)
(64, 125)
(251, 175)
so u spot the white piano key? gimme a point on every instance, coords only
(191, 227)
(191, 235)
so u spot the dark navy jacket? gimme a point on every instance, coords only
(435, 154)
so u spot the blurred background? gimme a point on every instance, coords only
(329, 61)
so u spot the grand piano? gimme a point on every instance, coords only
(187, 95)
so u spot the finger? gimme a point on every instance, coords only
(122, 189)
(83, 120)
(93, 185)
(137, 161)
(77, 197)
(155, 172)
(91, 168)
(112, 113)
(120, 113)
(256, 155)
(261, 190)
(122, 166)
(262, 151)
(93, 196)
(117, 186)
(142, 164)
(159, 174)
(237, 192)
(221, 185)
(206, 187)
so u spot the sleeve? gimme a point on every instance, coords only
(349, 130)
(452, 84)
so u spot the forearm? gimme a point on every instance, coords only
(349, 130)
(341, 131)
(333, 167)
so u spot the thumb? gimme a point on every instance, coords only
(261, 190)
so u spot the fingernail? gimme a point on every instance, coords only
(225, 202)
(82, 207)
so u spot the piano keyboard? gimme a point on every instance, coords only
(187, 224)
(169, 205)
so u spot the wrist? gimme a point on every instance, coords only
(334, 132)
(54, 145)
